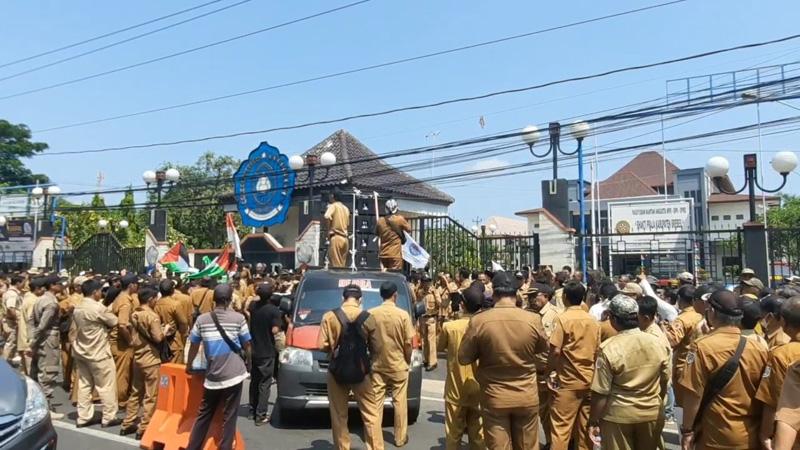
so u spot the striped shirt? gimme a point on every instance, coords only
(225, 368)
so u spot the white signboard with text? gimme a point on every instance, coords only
(647, 225)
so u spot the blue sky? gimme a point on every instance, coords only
(371, 33)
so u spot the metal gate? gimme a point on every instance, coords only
(452, 246)
(102, 253)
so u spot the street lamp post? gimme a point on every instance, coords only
(326, 160)
(755, 237)
(104, 225)
(157, 182)
(579, 130)
(41, 196)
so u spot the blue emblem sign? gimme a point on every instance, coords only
(263, 187)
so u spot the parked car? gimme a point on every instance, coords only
(24, 415)
(303, 368)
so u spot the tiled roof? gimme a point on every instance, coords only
(649, 167)
(623, 185)
(736, 198)
(366, 170)
(507, 226)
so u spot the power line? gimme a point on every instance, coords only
(365, 68)
(428, 105)
(183, 52)
(124, 41)
(112, 33)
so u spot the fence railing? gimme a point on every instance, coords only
(453, 246)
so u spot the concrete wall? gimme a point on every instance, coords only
(556, 248)
(732, 215)
(286, 232)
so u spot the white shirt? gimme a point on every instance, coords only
(665, 310)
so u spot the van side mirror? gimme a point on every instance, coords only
(419, 310)
(286, 305)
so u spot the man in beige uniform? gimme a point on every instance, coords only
(428, 322)
(504, 341)
(681, 334)
(390, 367)
(25, 331)
(170, 312)
(538, 298)
(787, 417)
(147, 334)
(120, 336)
(781, 357)
(462, 412)
(338, 221)
(65, 308)
(339, 394)
(45, 342)
(12, 302)
(573, 351)
(390, 229)
(732, 417)
(630, 383)
(771, 321)
(202, 298)
(92, 356)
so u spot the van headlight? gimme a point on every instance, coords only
(416, 359)
(293, 356)
(36, 407)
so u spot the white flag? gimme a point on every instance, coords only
(414, 254)
(496, 267)
(233, 235)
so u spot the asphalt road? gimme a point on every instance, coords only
(309, 432)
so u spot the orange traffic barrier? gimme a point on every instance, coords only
(179, 397)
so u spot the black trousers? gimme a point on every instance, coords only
(213, 399)
(260, 382)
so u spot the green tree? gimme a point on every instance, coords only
(201, 223)
(788, 215)
(784, 243)
(15, 144)
(451, 248)
(82, 224)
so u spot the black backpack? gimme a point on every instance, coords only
(351, 363)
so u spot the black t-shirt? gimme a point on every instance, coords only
(262, 318)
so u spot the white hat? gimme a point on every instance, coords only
(686, 276)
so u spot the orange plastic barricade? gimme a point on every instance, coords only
(179, 397)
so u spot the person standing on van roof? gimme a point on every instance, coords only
(390, 366)
(337, 217)
(348, 335)
(390, 229)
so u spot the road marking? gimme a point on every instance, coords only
(96, 433)
(432, 399)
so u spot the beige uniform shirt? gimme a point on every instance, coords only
(732, 420)
(170, 313)
(776, 338)
(548, 316)
(122, 307)
(26, 321)
(12, 298)
(503, 342)
(788, 410)
(577, 334)
(681, 333)
(330, 329)
(146, 331)
(339, 215)
(781, 357)
(460, 388)
(633, 371)
(391, 246)
(93, 323)
(202, 299)
(395, 333)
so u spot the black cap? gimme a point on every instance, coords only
(352, 290)
(425, 277)
(504, 283)
(265, 288)
(129, 278)
(725, 302)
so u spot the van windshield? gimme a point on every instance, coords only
(321, 294)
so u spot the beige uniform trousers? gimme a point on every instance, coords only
(397, 383)
(338, 396)
(569, 418)
(10, 347)
(545, 398)
(460, 419)
(337, 251)
(392, 263)
(123, 360)
(511, 428)
(144, 392)
(99, 376)
(630, 436)
(429, 340)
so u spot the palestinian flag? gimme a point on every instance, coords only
(176, 260)
(219, 267)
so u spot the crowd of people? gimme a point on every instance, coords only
(593, 362)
